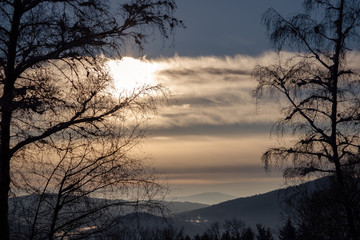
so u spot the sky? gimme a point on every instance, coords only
(219, 28)
(210, 135)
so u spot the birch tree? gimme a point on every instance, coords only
(321, 91)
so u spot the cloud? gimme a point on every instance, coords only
(212, 133)
(212, 91)
(176, 73)
(217, 91)
(208, 130)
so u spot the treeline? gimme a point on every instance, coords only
(235, 229)
(231, 229)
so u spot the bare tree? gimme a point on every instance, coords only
(52, 83)
(322, 95)
(315, 210)
(78, 184)
(234, 228)
(263, 233)
(288, 231)
(214, 231)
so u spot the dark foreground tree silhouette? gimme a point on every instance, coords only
(288, 231)
(79, 187)
(263, 233)
(316, 212)
(322, 92)
(53, 86)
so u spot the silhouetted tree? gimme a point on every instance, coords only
(233, 228)
(169, 233)
(248, 234)
(316, 211)
(230, 229)
(214, 231)
(322, 92)
(263, 233)
(62, 187)
(288, 231)
(205, 236)
(53, 86)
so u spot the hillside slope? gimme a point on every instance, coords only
(263, 208)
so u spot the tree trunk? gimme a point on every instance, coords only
(6, 113)
(4, 191)
(5, 156)
(340, 178)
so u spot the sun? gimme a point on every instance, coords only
(129, 73)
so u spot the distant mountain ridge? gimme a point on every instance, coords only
(206, 198)
(173, 206)
(178, 207)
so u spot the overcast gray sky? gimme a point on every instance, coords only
(220, 27)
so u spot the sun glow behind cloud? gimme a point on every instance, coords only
(130, 74)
